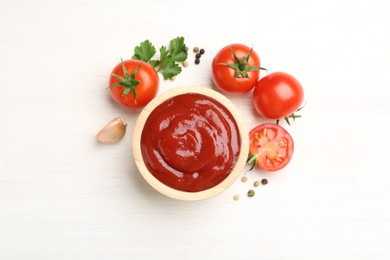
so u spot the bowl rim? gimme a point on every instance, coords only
(184, 195)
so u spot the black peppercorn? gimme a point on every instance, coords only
(198, 55)
(197, 61)
(201, 51)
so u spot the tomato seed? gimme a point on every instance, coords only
(256, 184)
(244, 179)
(185, 64)
(236, 197)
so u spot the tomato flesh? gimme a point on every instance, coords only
(272, 145)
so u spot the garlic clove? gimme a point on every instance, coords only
(113, 131)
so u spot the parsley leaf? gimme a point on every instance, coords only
(145, 51)
(176, 49)
(164, 56)
(168, 67)
(154, 63)
(171, 69)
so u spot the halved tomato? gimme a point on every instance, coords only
(271, 147)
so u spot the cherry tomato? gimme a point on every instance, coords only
(277, 95)
(271, 146)
(133, 83)
(236, 69)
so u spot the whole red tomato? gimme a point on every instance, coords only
(236, 69)
(277, 95)
(271, 147)
(133, 83)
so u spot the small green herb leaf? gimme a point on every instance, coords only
(164, 57)
(154, 63)
(145, 51)
(170, 69)
(177, 49)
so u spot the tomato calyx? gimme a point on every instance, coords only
(128, 82)
(252, 160)
(240, 66)
(293, 116)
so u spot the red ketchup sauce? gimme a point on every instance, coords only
(190, 142)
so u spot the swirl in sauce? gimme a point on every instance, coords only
(190, 142)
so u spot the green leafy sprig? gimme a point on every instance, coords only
(170, 57)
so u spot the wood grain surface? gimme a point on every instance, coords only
(65, 196)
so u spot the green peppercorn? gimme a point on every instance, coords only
(251, 193)
(196, 49)
(264, 181)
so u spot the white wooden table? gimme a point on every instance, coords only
(64, 196)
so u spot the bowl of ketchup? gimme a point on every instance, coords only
(190, 143)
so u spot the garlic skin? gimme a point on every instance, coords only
(113, 131)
